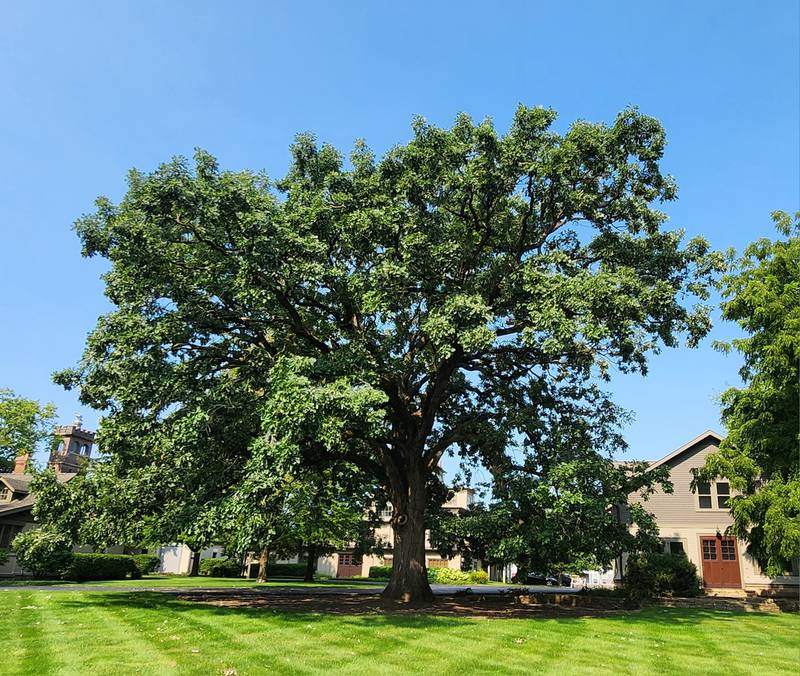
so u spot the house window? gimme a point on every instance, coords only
(709, 550)
(4, 493)
(386, 512)
(704, 493)
(723, 494)
(675, 547)
(437, 563)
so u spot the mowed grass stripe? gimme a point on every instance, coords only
(235, 639)
(125, 639)
(31, 650)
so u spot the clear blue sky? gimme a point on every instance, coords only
(88, 90)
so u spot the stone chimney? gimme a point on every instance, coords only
(21, 463)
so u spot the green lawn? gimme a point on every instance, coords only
(150, 633)
(183, 582)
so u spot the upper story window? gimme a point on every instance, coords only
(707, 492)
(723, 494)
(5, 494)
(386, 512)
(704, 496)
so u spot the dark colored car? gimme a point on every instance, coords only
(540, 579)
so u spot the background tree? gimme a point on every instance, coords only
(560, 503)
(386, 312)
(761, 454)
(26, 426)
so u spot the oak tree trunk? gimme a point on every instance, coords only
(311, 564)
(263, 562)
(409, 579)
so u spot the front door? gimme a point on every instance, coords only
(349, 565)
(720, 562)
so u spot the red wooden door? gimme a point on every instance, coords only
(720, 562)
(349, 565)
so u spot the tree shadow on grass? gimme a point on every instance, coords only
(348, 609)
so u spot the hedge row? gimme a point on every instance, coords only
(452, 576)
(100, 567)
(220, 568)
(145, 563)
(286, 570)
(232, 568)
(437, 575)
(380, 572)
(48, 554)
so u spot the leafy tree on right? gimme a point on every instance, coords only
(761, 454)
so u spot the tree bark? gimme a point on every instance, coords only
(263, 562)
(409, 580)
(311, 564)
(195, 570)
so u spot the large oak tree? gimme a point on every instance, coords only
(385, 312)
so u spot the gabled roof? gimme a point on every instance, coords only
(687, 446)
(17, 505)
(19, 483)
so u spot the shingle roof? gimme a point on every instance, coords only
(17, 505)
(20, 483)
(17, 482)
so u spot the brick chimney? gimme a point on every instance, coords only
(21, 463)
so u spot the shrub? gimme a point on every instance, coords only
(479, 577)
(286, 570)
(145, 563)
(43, 552)
(220, 568)
(100, 567)
(3, 556)
(658, 574)
(380, 572)
(452, 576)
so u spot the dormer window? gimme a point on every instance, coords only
(5, 494)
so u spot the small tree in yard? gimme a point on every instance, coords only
(761, 454)
(43, 552)
(386, 312)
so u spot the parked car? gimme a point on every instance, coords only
(542, 579)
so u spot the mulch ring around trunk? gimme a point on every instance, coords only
(477, 605)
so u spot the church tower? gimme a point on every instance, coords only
(74, 449)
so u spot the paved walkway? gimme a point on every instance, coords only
(364, 588)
